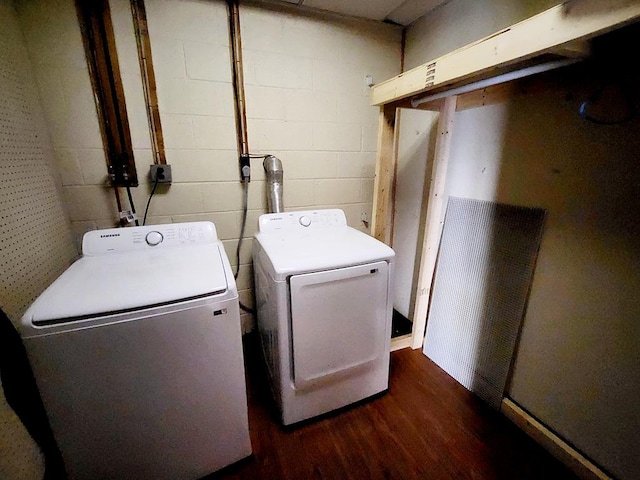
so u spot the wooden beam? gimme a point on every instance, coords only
(434, 106)
(487, 96)
(571, 21)
(577, 49)
(147, 72)
(99, 42)
(385, 170)
(433, 225)
(579, 464)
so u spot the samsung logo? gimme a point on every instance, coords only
(109, 235)
(276, 219)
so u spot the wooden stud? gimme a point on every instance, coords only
(541, 34)
(391, 216)
(434, 220)
(568, 455)
(94, 18)
(385, 169)
(148, 80)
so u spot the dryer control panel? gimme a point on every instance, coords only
(112, 240)
(302, 220)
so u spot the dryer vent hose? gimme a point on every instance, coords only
(273, 168)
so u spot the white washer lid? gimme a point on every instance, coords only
(103, 284)
(298, 252)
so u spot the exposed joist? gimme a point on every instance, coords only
(434, 222)
(557, 30)
(577, 49)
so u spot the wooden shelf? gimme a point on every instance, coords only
(559, 31)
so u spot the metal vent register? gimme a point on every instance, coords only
(485, 268)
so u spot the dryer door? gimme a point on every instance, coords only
(339, 322)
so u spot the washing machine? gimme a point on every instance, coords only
(136, 350)
(323, 299)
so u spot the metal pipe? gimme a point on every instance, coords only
(506, 77)
(273, 168)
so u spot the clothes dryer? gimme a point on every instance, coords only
(323, 299)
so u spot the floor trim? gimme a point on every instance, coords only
(564, 452)
(398, 343)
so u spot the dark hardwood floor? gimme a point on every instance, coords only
(426, 426)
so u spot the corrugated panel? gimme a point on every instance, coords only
(485, 267)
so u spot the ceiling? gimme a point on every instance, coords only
(402, 12)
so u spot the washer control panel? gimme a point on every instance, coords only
(301, 221)
(305, 221)
(101, 242)
(154, 238)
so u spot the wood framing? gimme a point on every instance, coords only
(398, 343)
(385, 172)
(145, 58)
(562, 31)
(487, 96)
(555, 31)
(94, 18)
(433, 224)
(564, 452)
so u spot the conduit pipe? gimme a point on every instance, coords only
(506, 77)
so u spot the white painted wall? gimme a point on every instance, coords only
(307, 103)
(577, 363)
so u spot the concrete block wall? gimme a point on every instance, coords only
(307, 103)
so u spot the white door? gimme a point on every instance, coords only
(338, 322)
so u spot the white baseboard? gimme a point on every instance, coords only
(574, 460)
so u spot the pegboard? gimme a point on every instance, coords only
(35, 237)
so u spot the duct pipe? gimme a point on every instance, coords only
(273, 168)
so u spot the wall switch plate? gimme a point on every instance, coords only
(161, 172)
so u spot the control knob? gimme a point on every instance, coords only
(305, 221)
(154, 238)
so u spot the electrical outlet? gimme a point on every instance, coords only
(161, 172)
